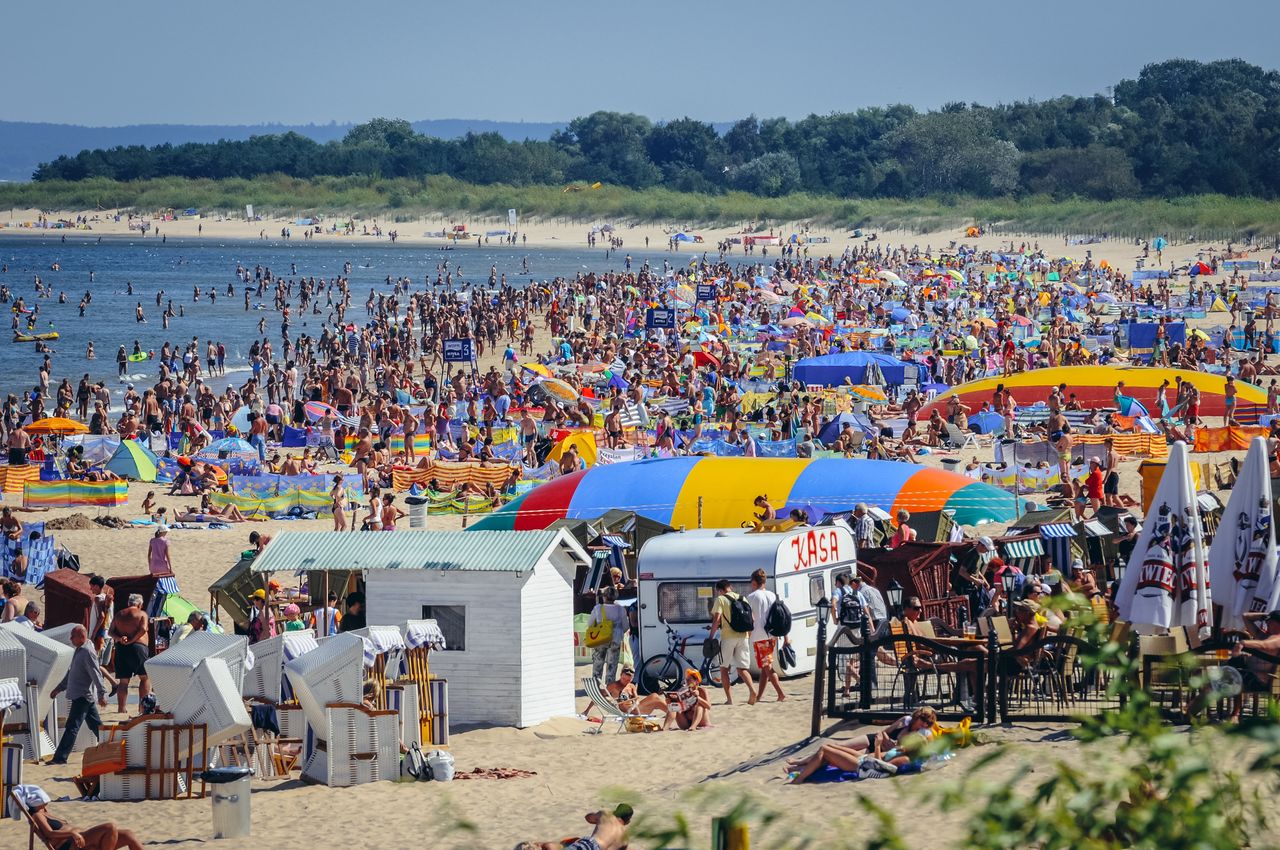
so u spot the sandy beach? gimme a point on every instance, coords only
(562, 233)
(700, 773)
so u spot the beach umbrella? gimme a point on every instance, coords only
(795, 322)
(955, 275)
(585, 442)
(134, 461)
(318, 410)
(1242, 559)
(1166, 584)
(1200, 268)
(1159, 243)
(559, 390)
(57, 425)
(889, 276)
(538, 369)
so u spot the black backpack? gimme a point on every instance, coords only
(740, 619)
(777, 622)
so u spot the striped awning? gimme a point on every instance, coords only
(614, 540)
(1093, 528)
(1020, 549)
(10, 694)
(1057, 529)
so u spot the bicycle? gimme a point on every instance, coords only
(665, 673)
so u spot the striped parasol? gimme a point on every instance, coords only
(318, 410)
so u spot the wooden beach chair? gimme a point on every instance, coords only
(33, 832)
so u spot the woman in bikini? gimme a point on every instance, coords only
(338, 496)
(390, 513)
(64, 836)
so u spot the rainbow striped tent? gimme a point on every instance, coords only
(668, 489)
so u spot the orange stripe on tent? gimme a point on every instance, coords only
(927, 491)
(14, 478)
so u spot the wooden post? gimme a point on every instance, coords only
(819, 672)
(324, 607)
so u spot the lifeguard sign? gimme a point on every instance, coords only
(816, 547)
(458, 351)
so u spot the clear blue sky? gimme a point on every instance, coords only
(242, 62)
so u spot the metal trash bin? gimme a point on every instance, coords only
(417, 511)
(230, 800)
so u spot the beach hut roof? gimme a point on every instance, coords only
(476, 551)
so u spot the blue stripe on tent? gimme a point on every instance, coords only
(824, 484)
(1057, 529)
(631, 484)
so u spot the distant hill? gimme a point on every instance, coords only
(25, 145)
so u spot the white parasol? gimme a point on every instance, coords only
(1242, 558)
(1166, 584)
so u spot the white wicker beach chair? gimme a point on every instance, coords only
(362, 746)
(171, 671)
(403, 699)
(212, 697)
(265, 680)
(46, 664)
(331, 673)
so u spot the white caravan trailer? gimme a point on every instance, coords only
(678, 573)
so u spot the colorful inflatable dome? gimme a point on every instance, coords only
(1094, 386)
(667, 490)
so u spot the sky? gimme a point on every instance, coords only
(267, 61)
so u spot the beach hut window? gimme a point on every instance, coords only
(452, 620)
(685, 601)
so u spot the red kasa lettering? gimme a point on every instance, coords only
(814, 549)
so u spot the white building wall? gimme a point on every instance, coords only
(546, 646)
(485, 679)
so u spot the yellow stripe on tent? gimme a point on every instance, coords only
(742, 476)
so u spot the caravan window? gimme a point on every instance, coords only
(685, 601)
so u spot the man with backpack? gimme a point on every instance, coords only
(731, 615)
(771, 616)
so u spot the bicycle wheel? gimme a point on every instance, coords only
(661, 673)
(710, 671)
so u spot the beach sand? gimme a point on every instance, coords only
(565, 233)
(699, 773)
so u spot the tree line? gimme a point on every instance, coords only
(1181, 128)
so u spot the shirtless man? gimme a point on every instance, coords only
(1258, 673)
(130, 629)
(19, 442)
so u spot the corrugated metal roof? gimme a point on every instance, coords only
(492, 551)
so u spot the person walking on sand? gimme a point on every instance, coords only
(735, 652)
(83, 685)
(763, 644)
(158, 560)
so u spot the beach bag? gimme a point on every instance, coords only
(740, 619)
(103, 758)
(636, 723)
(960, 735)
(440, 764)
(600, 634)
(777, 622)
(414, 765)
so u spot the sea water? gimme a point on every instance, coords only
(176, 266)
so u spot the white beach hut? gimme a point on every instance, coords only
(502, 599)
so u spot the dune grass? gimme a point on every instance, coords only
(1195, 217)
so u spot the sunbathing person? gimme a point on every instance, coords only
(629, 700)
(689, 708)
(896, 748)
(208, 512)
(64, 836)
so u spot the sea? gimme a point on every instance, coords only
(174, 267)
